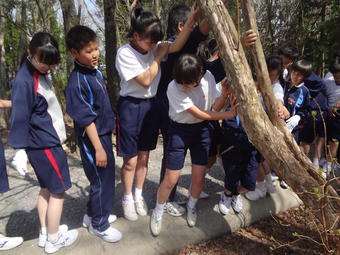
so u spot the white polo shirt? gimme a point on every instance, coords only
(129, 64)
(202, 96)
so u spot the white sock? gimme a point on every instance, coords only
(128, 197)
(192, 202)
(43, 230)
(53, 237)
(268, 178)
(159, 210)
(138, 193)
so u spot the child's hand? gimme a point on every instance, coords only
(234, 107)
(337, 105)
(226, 90)
(162, 50)
(280, 111)
(101, 158)
(194, 14)
(249, 38)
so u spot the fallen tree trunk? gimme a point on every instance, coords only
(269, 135)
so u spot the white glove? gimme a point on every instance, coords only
(19, 161)
(292, 122)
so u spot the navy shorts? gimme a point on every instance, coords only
(195, 137)
(216, 133)
(4, 186)
(51, 168)
(312, 128)
(333, 128)
(240, 172)
(137, 128)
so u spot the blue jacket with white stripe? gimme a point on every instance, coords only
(36, 118)
(297, 101)
(87, 100)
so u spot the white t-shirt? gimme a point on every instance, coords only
(129, 64)
(329, 76)
(202, 96)
(333, 92)
(278, 90)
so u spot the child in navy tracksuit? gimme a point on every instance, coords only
(37, 125)
(88, 104)
(6, 243)
(297, 97)
(193, 99)
(314, 126)
(138, 65)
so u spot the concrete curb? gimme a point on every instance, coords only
(175, 235)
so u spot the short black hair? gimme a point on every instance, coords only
(274, 63)
(146, 24)
(79, 36)
(302, 66)
(178, 14)
(335, 66)
(45, 47)
(188, 69)
(288, 51)
(207, 49)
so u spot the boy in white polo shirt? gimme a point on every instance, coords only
(193, 99)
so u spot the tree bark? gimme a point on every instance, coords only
(111, 49)
(273, 141)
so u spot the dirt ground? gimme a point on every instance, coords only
(275, 235)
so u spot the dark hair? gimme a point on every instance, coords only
(78, 36)
(188, 69)
(146, 24)
(45, 47)
(275, 63)
(178, 14)
(288, 51)
(207, 49)
(302, 66)
(336, 53)
(335, 66)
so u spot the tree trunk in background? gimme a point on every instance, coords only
(111, 50)
(157, 8)
(275, 144)
(71, 18)
(23, 44)
(3, 76)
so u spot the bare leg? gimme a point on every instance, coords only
(42, 206)
(319, 144)
(128, 174)
(141, 168)
(55, 208)
(197, 175)
(170, 179)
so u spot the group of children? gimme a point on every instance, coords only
(173, 82)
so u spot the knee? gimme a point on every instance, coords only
(169, 183)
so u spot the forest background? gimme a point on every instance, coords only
(312, 26)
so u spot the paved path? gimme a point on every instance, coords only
(19, 217)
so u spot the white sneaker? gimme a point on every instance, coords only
(141, 206)
(316, 164)
(174, 209)
(129, 210)
(87, 220)
(236, 203)
(110, 235)
(155, 224)
(224, 204)
(7, 243)
(191, 216)
(255, 195)
(270, 187)
(64, 239)
(327, 168)
(43, 238)
(284, 185)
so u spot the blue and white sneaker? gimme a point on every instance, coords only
(110, 235)
(64, 239)
(43, 237)
(7, 243)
